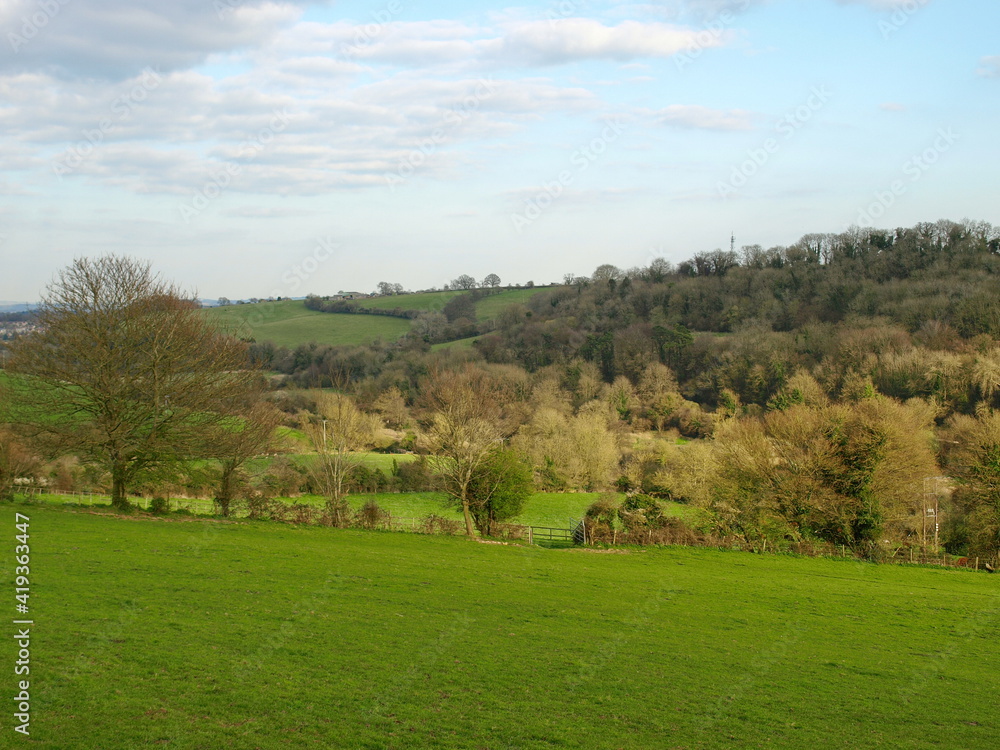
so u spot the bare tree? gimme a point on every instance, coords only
(124, 370)
(464, 282)
(467, 428)
(492, 281)
(248, 432)
(336, 431)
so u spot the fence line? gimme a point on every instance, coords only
(579, 534)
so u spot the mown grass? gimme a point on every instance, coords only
(204, 634)
(289, 323)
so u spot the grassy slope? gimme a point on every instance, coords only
(425, 301)
(201, 634)
(289, 323)
(489, 307)
(552, 509)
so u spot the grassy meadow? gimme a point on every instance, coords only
(289, 323)
(551, 509)
(205, 634)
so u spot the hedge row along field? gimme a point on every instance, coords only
(200, 633)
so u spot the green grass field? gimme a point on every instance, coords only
(289, 323)
(201, 634)
(486, 308)
(424, 301)
(551, 509)
(489, 307)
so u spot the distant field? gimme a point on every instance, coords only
(189, 633)
(289, 323)
(427, 301)
(456, 344)
(489, 307)
(486, 308)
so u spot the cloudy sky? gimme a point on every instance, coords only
(255, 148)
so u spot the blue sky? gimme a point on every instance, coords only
(277, 148)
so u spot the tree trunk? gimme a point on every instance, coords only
(225, 497)
(119, 500)
(468, 516)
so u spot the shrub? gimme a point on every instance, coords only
(336, 513)
(301, 513)
(435, 524)
(371, 516)
(159, 505)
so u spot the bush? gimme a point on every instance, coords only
(435, 524)
(301, 513)
(336, 513)
(641, 511)
(363, 479)
(371, 516)
(159, 505)
(414, 476)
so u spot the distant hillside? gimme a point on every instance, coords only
(289, 323)
(12, 307)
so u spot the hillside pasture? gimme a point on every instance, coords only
(289, 323)
(199, 633)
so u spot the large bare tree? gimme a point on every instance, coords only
(124, 371)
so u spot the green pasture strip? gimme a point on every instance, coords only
(422, 301)
(289, 323)
(194, 633)
(491, 306)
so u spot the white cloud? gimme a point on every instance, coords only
(695, 117)
(892, 107)
(573, 39)
(117, 38)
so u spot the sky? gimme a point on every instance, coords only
(253, 149)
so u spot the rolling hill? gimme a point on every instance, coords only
(290, 323)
